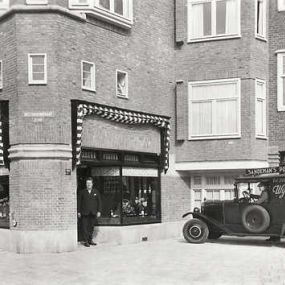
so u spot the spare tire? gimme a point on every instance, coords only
(255, 219)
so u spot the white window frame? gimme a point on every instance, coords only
(213, 83)
(263, 99)
(1, 74)
(30, 68)
(261, 35)
(214, 36)
(93, 76)
(4, 6)
(281, 5)
(280, 76)
(125, 96)
(93, 7)
(36, 2)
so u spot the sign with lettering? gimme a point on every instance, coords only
(267, 170)
(278, 188)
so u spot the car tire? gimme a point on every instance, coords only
(195, 231)
(255, 219)
(214, 235)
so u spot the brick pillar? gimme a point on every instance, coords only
(42, 199)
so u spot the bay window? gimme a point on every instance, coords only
(214, 109)
(213, 19)
(260, 111)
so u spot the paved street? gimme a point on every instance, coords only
(226, 261)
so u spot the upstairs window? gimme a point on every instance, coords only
(1, 75)
(260, 109)
(209, 19)
(116, 11)
(122, 84)
(37, 68)
(281, 81)
(261, 18)
(214, 109)
(88, 75)
(4, 5)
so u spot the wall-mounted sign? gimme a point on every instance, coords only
(267, 170)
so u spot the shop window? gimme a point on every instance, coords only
(212, 19)
(214, 109)
(213, 180)
(88, 76)
(1, 75)
(122, 84)
(229, 194)
(4, 202)
(260, 18)
(197, 198)
(37, 68)
(260, 112)
(212, 194)
(281, 81)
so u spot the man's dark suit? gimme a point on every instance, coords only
(88, 206)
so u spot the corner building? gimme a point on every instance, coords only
(86, 90)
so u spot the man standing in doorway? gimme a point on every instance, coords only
(89, 209)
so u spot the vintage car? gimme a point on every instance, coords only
(241, 216)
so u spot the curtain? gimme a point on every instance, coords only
(197, 20)
(232, 17)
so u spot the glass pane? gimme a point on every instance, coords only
(201, 122)
(209, 194)
(197, 20)
(197, 195)
(213, 180)
(221, 17)
(141, 199)
(207, 19)
(38, 76)
(87, 79)
(229, 194)
(260, 17)
(38, 59)
(226, 117)
(283, 65)
(283, 79)
(121, 83)
(104, 4)
(38, 68)
(231, 20)
(118, 7)
(259, 117)
(216, 194)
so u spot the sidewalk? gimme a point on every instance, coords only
(226, 261)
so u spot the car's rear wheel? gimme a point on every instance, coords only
(255, 219)
(195, 231)
(214, 235)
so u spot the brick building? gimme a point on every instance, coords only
(90, 88)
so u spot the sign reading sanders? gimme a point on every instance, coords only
(278, 187)
(267, 170)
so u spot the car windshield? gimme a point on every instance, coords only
(250, 187)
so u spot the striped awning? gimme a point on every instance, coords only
(125, 117)
(1, 146)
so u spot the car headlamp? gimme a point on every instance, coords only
(196, 210)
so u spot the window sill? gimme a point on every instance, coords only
(214, 38)
(214, 138)
(261, 38)
(37, 83)
(88, 89)
(101, 14)
(123, 97)
(261, 137)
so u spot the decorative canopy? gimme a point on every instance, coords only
(124, 117)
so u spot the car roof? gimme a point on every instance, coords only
(259, 178)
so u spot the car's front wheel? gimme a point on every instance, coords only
(195, 231)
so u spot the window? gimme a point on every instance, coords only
(122, 84)
(281, 5)
(213, 180)
(229, 194)
(36, 2)
(260, 108)
(197, 180)
(116, 11)
(213, 19)
(212, 194)
(260, 18)
(281, 81)
(228, 180)
(197, 198)
(37, 68)
(214, 109)
(88, 75)
(4, 202)
(1, 75)
(4, 5)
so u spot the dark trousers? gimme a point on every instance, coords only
(88, 222)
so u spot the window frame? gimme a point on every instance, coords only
(126, 96)
(192, 84)
(93, 76)
(281, 5)
(4, 6)
(263, 98)
(213, 36)
(36, 2)
(1, 74)
(30, 69)
(280, 76)
(262, 35)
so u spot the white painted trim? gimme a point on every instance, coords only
(4, 171)
(263, 82)
(36, 2)
(261, 36)
(40, 151)
(280, 103)
(125, 96)
(192, 84)
(93, 76)
(4, 5)
(220, 165)
(1, 74)
(30, 69)
(281, 5)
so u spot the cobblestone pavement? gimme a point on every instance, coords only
(226, 261)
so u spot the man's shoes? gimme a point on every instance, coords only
(92, 242)
(273, 239)
(86, 244)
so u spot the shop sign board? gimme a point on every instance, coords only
(266, 170)
(278, 188)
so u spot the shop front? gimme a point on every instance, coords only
(125, 152)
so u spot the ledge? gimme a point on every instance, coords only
(40, 151)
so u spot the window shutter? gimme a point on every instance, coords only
(180, 11)
(181, 111)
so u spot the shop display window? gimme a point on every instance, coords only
(4, 205)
